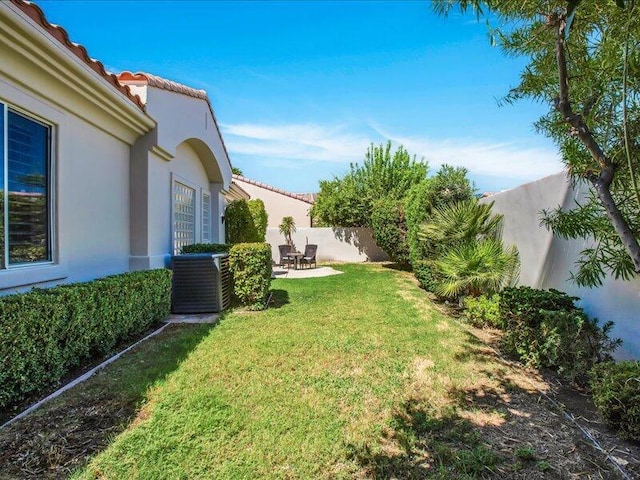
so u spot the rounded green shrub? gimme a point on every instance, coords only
(483, 311)
(250, 265)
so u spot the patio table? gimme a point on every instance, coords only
(296, 258)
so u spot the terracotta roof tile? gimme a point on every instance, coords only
(297, 196)
(163, 83)
(60, 34)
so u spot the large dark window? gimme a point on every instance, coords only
(25, 228)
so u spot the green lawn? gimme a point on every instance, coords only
(342, 378)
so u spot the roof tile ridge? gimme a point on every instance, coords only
(163, 83)
(35, 13)
(272, 188)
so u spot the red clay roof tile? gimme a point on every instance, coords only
(60, 34)
(163, 83)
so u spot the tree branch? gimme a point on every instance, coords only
(601, 180)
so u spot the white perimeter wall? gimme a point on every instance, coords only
(548, 261)
(334, 244)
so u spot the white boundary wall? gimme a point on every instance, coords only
(547, 261)
(334, 244)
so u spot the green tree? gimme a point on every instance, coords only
(348, 201)
(260, 219)
(245, 221)
(390, 229)
(584, 62)
(237, 171)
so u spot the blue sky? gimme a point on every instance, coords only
(300, 89)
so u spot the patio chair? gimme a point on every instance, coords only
(285, 259)
(309, 255)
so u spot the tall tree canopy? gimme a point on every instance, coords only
(584, 62)
(348, 201)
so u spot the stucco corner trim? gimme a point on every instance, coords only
(162, 153)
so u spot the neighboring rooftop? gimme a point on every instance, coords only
(304, 197)
(60, 34)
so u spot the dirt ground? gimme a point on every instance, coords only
(56, 440)
(560, 423)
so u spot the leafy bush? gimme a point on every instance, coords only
(246, 221)
(390, 230)
(616, 393)
(525, 302)
(47, 332)
(206, 248)
(545, 328)
(250, 265)
(483, 311)
(260, 219)
(424, 272)
(417, 208)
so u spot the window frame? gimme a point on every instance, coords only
(196, 214)
(206, 193)
(51, 169)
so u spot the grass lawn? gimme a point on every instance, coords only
(350, 376)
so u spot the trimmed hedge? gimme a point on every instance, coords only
(616, 393)
(47, 332)
(250, 265)
(206, 248)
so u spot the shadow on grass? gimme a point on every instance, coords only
(279, 298)
(496, 427)
(401, 267)
(61, 436)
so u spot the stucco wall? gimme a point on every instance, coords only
(91, 187)
(334, 244)
(548, 261)
(278, 205)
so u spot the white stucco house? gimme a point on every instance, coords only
(100, 174)
(278, 203)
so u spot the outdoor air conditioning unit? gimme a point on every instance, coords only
(201, 283)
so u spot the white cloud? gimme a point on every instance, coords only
(318, 143)
(297, 142)
(498, 159)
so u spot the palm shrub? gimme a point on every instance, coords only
(476, 267)
(287, 228)
(460, 222)
(470, 258)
